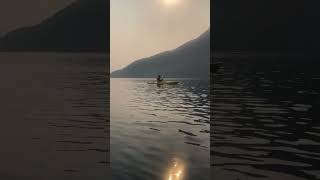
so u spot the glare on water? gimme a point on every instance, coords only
(156, 132)
(176, 170)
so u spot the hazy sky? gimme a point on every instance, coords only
(19, 13)
(141, 28)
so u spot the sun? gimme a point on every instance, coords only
(171, 2)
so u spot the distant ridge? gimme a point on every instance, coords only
(82, 26)
(190, 60)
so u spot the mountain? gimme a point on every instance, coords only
(81, 26)
(266, 25)
(191, 59)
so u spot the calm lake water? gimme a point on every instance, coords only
(54, 122)
(265, 119)
(158, 132)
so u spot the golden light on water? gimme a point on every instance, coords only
(176, 170)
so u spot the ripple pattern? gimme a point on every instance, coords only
(263, 123)
(54, 120)
(152, 125)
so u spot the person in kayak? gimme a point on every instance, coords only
(159, 78)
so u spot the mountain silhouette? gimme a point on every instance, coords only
(82, 26)
(266, 25)
(191, 59)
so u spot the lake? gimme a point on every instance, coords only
(160, 132)
(265, 118)
(54, 116)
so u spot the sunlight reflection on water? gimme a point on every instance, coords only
(176, 170)
(153, 128)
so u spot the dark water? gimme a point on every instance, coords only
(54, 122)
(265, 123)
(160, 132)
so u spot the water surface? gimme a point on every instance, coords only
(54, 122)
(265, 119)
(158, 132)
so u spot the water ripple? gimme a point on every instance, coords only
(263, 122)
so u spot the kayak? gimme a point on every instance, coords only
(163, 82)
